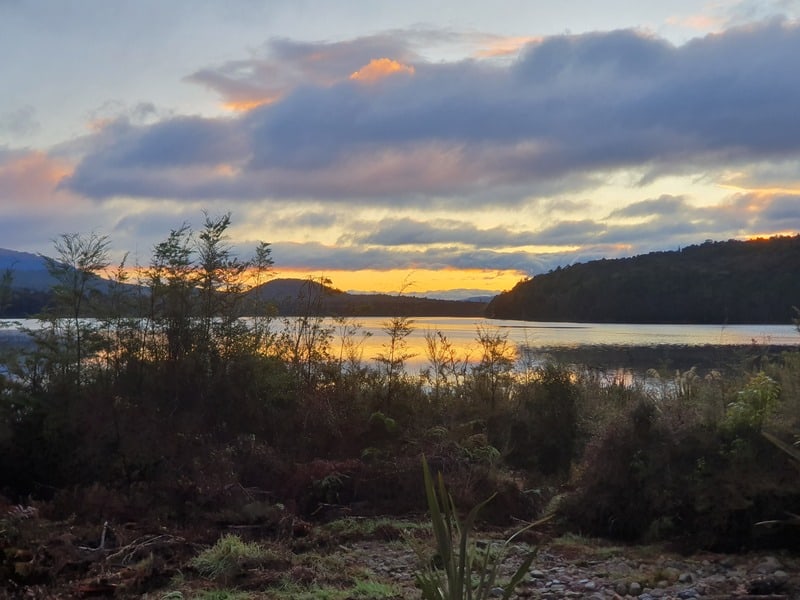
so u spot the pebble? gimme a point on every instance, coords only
(616, 577)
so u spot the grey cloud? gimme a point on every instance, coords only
(664, 205)
(284, 64)
(400, 232)
(177, 142)
(314, 220)
(571, 108)
(315, 256)
(780, 213)
(19, 123)
(567, 232)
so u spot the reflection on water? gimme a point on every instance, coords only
(605, 343)
(563, 337)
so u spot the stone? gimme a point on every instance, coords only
(635, 588)
(763, 586)
(781, 576)
(769, 565)
(671, 574)
(537, 574)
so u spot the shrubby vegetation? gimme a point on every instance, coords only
(193, 413)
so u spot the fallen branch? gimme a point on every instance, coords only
(127, 553)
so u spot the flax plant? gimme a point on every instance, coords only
(457, 554)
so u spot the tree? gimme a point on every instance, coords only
(445, 366)
(261, 312)
(6, 281)
(395, 354)
(305, 342)
(77, 267)
(172, 280)
(493, 374)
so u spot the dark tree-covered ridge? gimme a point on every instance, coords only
(756, 281)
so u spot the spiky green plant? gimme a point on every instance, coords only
(458, 557)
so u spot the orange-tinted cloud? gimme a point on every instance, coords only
(378, 68)
(698, 22)
(506, 46)
(31, 178)
(246, 105)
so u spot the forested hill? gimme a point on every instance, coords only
(756, 281)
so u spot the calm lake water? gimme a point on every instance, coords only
(563, 337)
(461, 333)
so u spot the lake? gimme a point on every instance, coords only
(568, 340)
(605, 343)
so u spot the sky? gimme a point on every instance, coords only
(420, 146)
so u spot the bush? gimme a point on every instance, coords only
(544, 436)
(649, 475)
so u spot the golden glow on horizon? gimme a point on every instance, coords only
(378, 68)
(765, 236)
(411, 281)
(761, 191)
(394, 281)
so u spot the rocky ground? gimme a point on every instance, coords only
(43, 559)
(571, 567)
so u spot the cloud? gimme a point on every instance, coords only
(394, 168)
(283, 65)
(570, 108)
(319, 257)
(19, 123)
(411, 232)
(665, 205)
(380, 68)
(29, 179)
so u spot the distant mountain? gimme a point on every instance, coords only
(462, 294)
(716, 282)
(30, 284)
(467, 295)
(298, 296)
(29, 270)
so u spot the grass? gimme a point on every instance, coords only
(230, 556)
(308, 576)
(222, 595)
(361, 589)
(384, 529)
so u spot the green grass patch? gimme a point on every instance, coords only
(361, 589)
(383, 529)
(230, 557)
